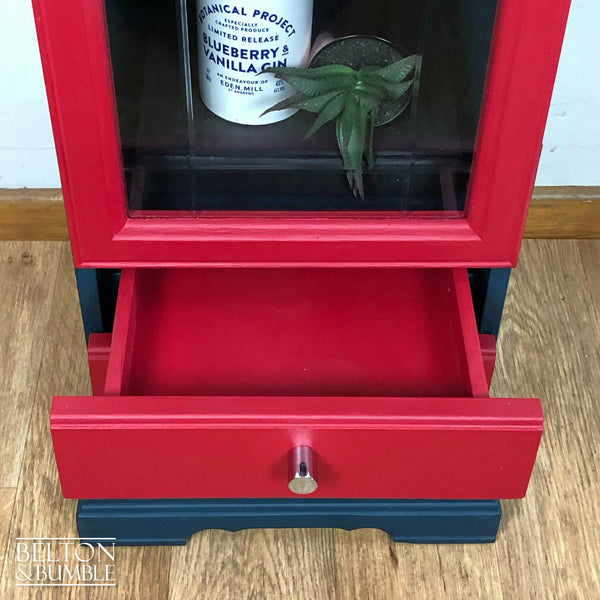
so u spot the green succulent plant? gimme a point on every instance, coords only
(351, 97)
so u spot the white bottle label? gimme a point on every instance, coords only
(237, 41)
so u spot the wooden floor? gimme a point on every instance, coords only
(549, 543)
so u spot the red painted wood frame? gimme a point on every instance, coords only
(75, 57)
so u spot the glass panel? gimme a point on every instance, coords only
(173, 58)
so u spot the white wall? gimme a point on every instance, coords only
(571, 154)
(27, 156)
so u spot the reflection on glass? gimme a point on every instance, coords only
(180, 156)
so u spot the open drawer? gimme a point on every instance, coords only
(216, 375)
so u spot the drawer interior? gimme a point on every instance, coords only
(295, 332)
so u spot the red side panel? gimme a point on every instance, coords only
(488, 353)
(194, 447)
(98, 355)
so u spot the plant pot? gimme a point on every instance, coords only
(357, 51)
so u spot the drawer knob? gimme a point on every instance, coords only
(302, 470)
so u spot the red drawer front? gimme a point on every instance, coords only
(195, 447)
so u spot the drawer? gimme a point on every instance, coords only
(363, 383)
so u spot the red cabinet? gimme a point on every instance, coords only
(262, 307)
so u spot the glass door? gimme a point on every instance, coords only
(172, 59)
(409, 137)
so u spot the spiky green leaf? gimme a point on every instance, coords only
(374, 91)
(291, 102)
(400, 70)
(396, 90)
(351, 134)
(351, 127)
(370, 155)
(369, 100)
(358, 138)
(342, 141)
(311, 73)
(316, 87)
(368, 70)
(316, 105)
(300, 101)
(330, 111)
(358, 188)
(371, 79)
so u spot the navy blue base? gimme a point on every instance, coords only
(493, 303)
(172, 522)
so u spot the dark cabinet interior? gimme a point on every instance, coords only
(181, 157)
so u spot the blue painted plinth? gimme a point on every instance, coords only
(172, 522)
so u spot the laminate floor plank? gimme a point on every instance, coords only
(27, 278)
(548, 546)
(39, 508)
(7, 498)
(590, 256)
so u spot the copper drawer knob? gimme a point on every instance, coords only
(302, 470)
